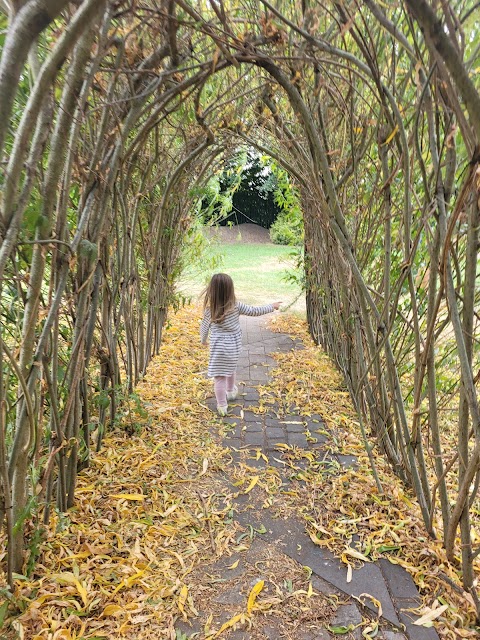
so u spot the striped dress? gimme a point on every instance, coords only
(226, 337)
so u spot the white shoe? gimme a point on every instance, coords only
(222, 410)
(232, 395)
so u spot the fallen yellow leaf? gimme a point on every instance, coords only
(69, 578)
(182, 598)
(206, 628)
(238, 618)
(253, 482)
(253, 594)
(112, 610)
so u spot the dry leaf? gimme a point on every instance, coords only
(253, 482)
(230, 623)
(253, 594)
(182, 599)
(427, 618)
(349, 572)
(112, 610)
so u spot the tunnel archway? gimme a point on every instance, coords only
(142, 102)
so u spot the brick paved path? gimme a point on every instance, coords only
(387, 582)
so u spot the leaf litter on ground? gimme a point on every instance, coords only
(154, 510)
(344, 504)
(146, 512)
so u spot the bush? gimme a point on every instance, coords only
(287, 229)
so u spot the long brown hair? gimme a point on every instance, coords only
(220, 296)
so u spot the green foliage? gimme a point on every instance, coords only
(286, 231)
(34, 549)
(288, 227)
(63, 522)
(243, 192)
(31, 215)
(215, 202)
(102, 398)
(195, 257)
(296, 274)
(25, 514)
(131, 414)
(3, 612)
(129, 407)
(253, 200)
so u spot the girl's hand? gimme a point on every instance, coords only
(276, 305)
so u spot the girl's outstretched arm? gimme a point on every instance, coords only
(247, 310)
(205, 326)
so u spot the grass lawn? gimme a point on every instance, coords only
(258, 272)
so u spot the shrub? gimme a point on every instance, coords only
(284, 231)
(288, 229)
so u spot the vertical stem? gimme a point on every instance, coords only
(432, 382)
(463, 413)
(5, 481)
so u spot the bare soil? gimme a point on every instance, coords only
(240, 233)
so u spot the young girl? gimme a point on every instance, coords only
(221, 318)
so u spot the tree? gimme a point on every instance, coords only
(245, 193)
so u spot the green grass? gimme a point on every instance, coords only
(258, 272)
